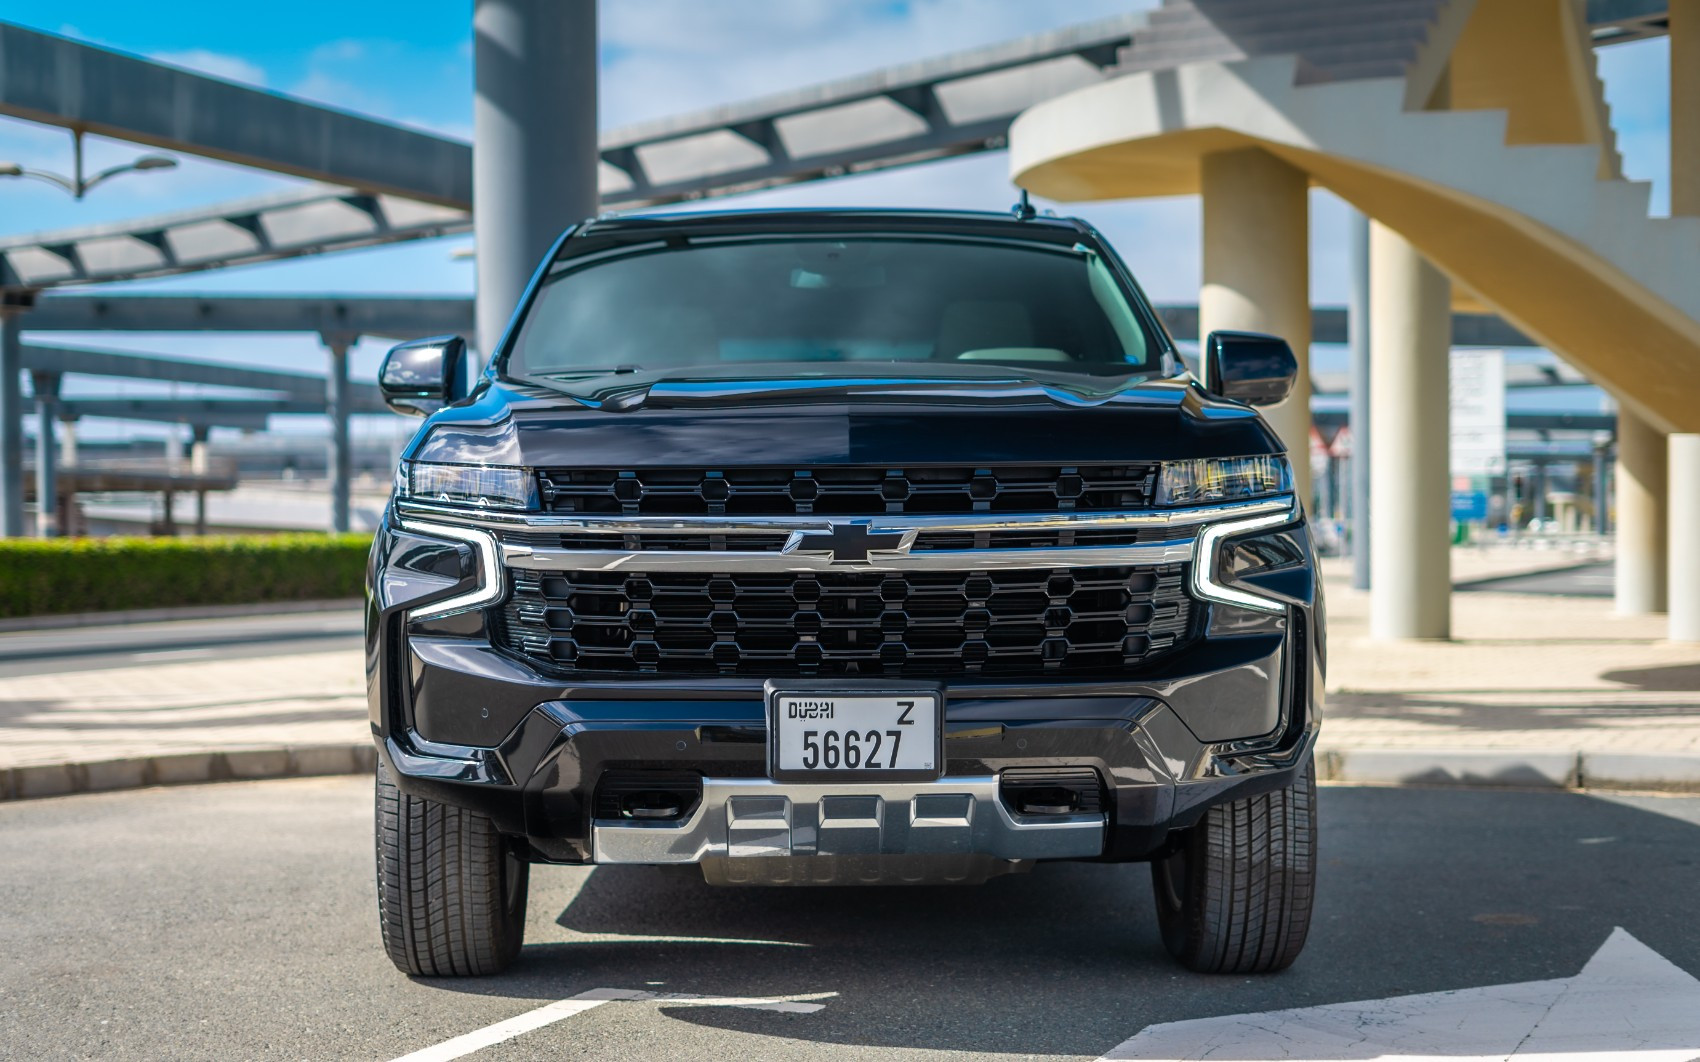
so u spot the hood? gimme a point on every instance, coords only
(637, 421)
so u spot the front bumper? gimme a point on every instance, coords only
(463, 723)
(743, 818)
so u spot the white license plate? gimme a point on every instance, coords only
(873, 734)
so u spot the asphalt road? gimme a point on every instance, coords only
(1584, 580)
(130, 644)
(237, 921)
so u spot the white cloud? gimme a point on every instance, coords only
(215, 64)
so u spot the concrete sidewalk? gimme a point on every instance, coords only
(1534, 690)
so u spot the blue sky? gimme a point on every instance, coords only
(411, 62)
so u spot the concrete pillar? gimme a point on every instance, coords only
(174, 449)
(337, 462)
(68, 442)
(1683, 594)
(1602, 500)
(11, 424)
(1685, 107)
(1357, 334)
(200, 445)
(1539, 497)
(534, 160)
(1410, 523)
(46, 466)
(1641, 515)
(1257, 274)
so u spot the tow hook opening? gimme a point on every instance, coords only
(1041, 791)
(647, 796)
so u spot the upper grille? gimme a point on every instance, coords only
(839, 624)
(847, 491)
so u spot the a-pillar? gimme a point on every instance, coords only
(534, 159)
(1684, 585)
(1642, 520)
(1257, 274)
(336, 406)
(46, 386)
(11, 423)
(1410, 521)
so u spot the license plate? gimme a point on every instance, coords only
(841, 733)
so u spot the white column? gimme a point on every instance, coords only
(1641, 515)
(1684, 586)
(1257, 273)
(1410, 521)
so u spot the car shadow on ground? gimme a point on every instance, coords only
(1420, 890)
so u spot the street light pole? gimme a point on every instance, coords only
(76, 185)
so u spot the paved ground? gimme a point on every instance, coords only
(88, 694)
(1584, 580)
(237, 921)
(82, 649)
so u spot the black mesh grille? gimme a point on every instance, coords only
(830, 624)
(841, 491)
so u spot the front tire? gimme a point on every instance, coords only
(1236, 896)
(451, 890)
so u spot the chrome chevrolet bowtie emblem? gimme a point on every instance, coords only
(850, 542)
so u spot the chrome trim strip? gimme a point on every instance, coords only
(754, 817)
(1152, 553)
(736, 525)
(1204, 584)
(489, 589)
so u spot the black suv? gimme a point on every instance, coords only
(843, 547)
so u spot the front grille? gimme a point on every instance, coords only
(847, 491)
(830, 624)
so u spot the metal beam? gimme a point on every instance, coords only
(400, 317)
(1588, 422)
(242, 232)
(211, 412)
(86, 362)
(57, 81)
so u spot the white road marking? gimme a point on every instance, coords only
(1629, 1002)
(479, 1039)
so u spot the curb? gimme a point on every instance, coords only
(185, 768)
(1466, 768)
(1512, 768)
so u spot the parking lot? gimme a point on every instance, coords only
(236, 921)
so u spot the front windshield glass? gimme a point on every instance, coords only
(913, 304)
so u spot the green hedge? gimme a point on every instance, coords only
(41, 576)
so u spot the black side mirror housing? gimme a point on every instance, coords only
(423, 376)
(1249, 367)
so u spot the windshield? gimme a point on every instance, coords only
(905, 301)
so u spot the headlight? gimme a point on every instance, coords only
(1218, 479)
(485, 486)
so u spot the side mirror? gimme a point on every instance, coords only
(1249, 367)
(423, 376)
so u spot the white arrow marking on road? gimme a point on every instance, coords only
(1628, 1002)
(566, 1008)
